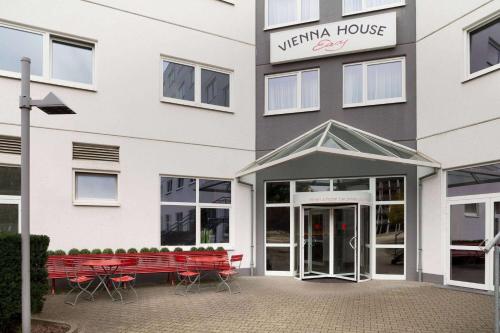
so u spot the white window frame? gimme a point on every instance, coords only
(298, 21)
(365, 9)
(97, 202)
(198, 206)
(298, 108)
(47, 38)
(365, 101)
(197, 85)
(467, 31)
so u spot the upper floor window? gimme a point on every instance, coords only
(288, 12)
(484, 47)
(95, 188)
(374, 82)
(54, 59)
(359, 6)
(195, 85)
(292, 92)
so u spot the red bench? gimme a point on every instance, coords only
(149, 263)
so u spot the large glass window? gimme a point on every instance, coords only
(277, 225)
(278, 259)
(476, 180)
(72, 62)
(390, 224)
(285, 12)
(195, 204)
(292, 92)
(95, 187)
(214, 88)
(15, 44)
(358, 6)
(484, 46)
(178, 81)
(10, 180)
(374, 82)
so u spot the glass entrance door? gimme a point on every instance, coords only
(316, 242)
(345, 254)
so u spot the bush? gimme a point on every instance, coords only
(107, 251)
(201, 248)
(220, 248)
(144, 250)
(132, 250)
(96, 251)
(73, 252)
(194, 248)
(84, 251)
(164, 249)
(154, 250)
(210, 248)
(120, 250)
(10, 278)
(59, 253)
(50, 253)
(178, 249)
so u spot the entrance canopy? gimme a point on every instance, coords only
(334, 137)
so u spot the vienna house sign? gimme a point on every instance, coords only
(363, 34)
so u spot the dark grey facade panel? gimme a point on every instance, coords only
(321, 165)
(396, 122)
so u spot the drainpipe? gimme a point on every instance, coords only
(251, 222)
(420, 179)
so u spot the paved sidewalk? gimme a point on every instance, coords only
(276, 304)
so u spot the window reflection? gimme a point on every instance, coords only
(390, 224)
(390, 261)
(9, 218)
(278, 259)
(476, 180)
(390, 189)
(467, 266)
(485, 46)
(178, 225)
(214, 225)
(316, 185)
(215, 191)
(10, 180)
(359, 184)
(278, 192)
(177, 190)
(467, 224)
(277, 225)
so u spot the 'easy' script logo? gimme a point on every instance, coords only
(330, 45)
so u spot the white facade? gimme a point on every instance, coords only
(124, 107)
(458, 119)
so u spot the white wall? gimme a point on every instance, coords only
(154, 137)
(458, 120)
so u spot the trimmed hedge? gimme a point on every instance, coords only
(10, 278)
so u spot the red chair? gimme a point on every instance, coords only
(186, 274)
(78, 280)
(228, 275)
(124, 279)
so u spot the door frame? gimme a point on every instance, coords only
(355, 208)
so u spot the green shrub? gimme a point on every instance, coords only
(50, 253)
(73, 252)
(144, 250)
(194, 248)
(84, 251)
(10, 278)
(96, 251)
(164, 249)
(154, 250)
(132, 250)
(210, 248)
(59, 253)
(220, 248)
(178, 249)
(120, 250)
(201, 248)
(107, 251)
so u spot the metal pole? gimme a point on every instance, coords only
(497, 292)
(25, 193)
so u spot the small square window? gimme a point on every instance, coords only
(72, 62)
(96, 187)
(214, 88)
(178, 81)
(484, 46)
(286, 12)
(181, 194)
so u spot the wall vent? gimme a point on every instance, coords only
(10, 145)
(88, 151)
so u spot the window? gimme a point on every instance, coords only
(484, 47)
(16, 44)
(287, 12)
(70, 62)
(96, 188)
(202, 210)
(10, 181)
(195, 85)
(475, 180)
(359, 6)
(374, 82)
(292, 92)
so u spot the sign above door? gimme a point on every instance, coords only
(348, 36)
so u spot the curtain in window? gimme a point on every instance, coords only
(310, 89)
(353, 84)
(281, 11)
(353, 6)
(385, 80)
(379, 3)
(282, 92)
(310, 10)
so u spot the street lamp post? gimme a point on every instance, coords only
(50, 105)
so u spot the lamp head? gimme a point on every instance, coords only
(51, 104)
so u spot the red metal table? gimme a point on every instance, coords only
(208, 264)
(103, 269)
